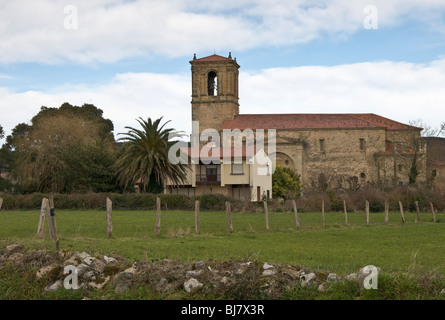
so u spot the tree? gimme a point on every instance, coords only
(144, 155)
(285, 183)
(63, 150)
(2, 133)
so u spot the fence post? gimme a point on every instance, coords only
(52, 217)
(197, 216)
(346, 212)
(109, 221)
(266, 212)
(229, 218)
(433, 212)
(1, 203)
(158, 216)
(419, 219)
(52, 221)
(401, 211)
(42, 217)
(297, 221)
(386, 212)
(322, 213)
(367, 212)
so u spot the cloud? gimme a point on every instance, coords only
(111, 30)
(398, 90)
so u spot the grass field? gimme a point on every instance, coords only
(396, 247)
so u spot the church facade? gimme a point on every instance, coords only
(327, 150)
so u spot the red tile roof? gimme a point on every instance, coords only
(214, 58)
(313, 121)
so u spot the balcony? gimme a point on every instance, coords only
(208, 178)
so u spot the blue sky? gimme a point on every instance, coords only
(131, 58)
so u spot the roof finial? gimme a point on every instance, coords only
(194, 56)
(230, 55)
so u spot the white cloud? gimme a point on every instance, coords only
(110, 30)
(399, 91)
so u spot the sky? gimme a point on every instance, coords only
(131, 58)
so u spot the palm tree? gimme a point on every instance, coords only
(144, 157)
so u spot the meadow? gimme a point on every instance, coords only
(336, 247)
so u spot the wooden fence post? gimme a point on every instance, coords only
(1, 203)
(158, 216)
(197, 216)
(433, 212)
(401, 211)
(367, 212)
(266, 212)
(346, 212)
(52, 221)
(42, 217)
(229, 217)
(109, 221)
(386, 212)
(52, 217)
(419, 219)
(322, 213)
(297, 220)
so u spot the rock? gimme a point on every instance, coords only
(351, 277)
(442, 291)
(200, 264)
(122, 281)
(16, 258)
(332, 277)
(224, 280)
(193, 273)
(323, 287)
(97, 266)
(269, 272)
(267, 266)
(47, 270)
(88, 260)
(13, 248)
(307, 279)
(82, 269)
(109, 259)
(192, 284)
(292, 273)
(55, 286)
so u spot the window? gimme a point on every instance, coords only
(212, 84)
(399, 167)
(362, 144)
(322, 145)
(286, 162)
(434, 173)
(237, 168)
(362, 175)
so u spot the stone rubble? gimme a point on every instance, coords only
(95, 271)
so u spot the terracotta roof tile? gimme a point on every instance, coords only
(313, 121)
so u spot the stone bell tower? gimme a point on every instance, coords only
(214, 90)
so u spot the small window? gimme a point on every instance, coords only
(322, 145)
(286, 162)
(362, 144)
(237, 168)
(401, 183)
(434, 173)
(363, 175)
(212, 83)
(399, 167)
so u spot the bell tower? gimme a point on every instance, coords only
(214, 90)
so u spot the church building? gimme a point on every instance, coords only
(335, 150)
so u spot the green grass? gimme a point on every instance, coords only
(338, 248)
